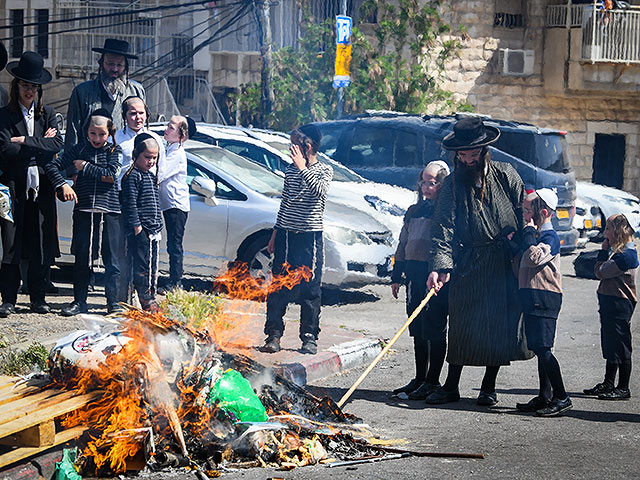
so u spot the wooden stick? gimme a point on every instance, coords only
(415, 313)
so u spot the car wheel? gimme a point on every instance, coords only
(258, 259)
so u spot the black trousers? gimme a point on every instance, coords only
(86, 226)
(297, 249)
(175, 221)
(10, 281)
(36, 271)
(143, 257)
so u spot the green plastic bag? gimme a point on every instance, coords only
(234, 394)
(64, 468)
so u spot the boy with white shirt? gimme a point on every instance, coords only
(135, 116)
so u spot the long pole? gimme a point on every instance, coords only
(415, 313)
(343, 11)
(266, 100)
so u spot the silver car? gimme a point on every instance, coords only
(234, 204)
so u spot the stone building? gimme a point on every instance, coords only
(528, 60)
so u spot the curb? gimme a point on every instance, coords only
(335, 359)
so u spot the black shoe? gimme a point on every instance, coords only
(423, 391)
(441, 396)
(616, 394)
(555, 408)
(114, 307)
(533, 405)
(40, 307)
(272, 345)
(74, 308)
(487, 399)
(409, 387)
(7, 309)
(599, 389)
(309, 347)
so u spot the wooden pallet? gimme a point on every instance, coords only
(27, 418)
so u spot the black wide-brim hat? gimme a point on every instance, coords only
(3, 56)
(469, 133)
(30, 68)
(116, 47)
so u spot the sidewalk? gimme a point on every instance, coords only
(339, 349)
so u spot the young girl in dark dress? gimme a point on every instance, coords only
(412, 259)
(616, 267)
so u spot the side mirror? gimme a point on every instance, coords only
(207, 188)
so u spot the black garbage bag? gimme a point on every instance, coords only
(585, 263)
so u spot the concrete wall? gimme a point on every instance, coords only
(563, 92)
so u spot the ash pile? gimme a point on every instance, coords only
(173, 397)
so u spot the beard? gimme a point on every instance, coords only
(114, 85)
(469, 174)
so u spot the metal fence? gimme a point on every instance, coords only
(557, 16)
(611, 36)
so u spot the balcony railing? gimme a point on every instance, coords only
(611, 36)
(557, 16)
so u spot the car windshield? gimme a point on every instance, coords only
(253, 176)
(340, 172)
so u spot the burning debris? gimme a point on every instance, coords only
(174, 394)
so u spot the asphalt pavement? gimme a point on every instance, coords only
(597, 439)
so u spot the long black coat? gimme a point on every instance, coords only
(27, 233)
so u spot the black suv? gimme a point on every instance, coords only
(392, 147)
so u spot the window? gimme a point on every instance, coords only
(42, 29)
(508, 14)
(16, 44)
(182, 51)
(371, 147)
(407, 152)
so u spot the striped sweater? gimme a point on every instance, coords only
(95, 193)
(303, 198)
(140, 202)
(539, 276)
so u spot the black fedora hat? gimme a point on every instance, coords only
(117, 47)
(469, 133)
(30, 68)
(3, 56)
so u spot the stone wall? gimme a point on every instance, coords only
(544, 98)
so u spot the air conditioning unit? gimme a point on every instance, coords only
(516, 62)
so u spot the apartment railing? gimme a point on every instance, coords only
(611, 36)
(557, 16)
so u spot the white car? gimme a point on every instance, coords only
(234, 204)
(587, 220)
(386, 203)
(611, 201)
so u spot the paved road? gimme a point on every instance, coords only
(595, 440)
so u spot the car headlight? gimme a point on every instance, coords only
(346, 236)
(383, 206)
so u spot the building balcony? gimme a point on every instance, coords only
(601, 49)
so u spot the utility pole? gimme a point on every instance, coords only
(266, 74)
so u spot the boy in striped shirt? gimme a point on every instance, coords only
(297, 239)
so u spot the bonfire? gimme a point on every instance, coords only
(177, 392)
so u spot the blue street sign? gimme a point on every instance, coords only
(341, 81)
(343, 29)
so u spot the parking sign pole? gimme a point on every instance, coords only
(343, 54)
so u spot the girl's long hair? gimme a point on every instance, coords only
(622, 231)
(14, 100)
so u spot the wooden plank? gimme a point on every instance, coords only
(24, 452)
(7, 381)
(33, 405)
(47, 413)
(38, 436)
